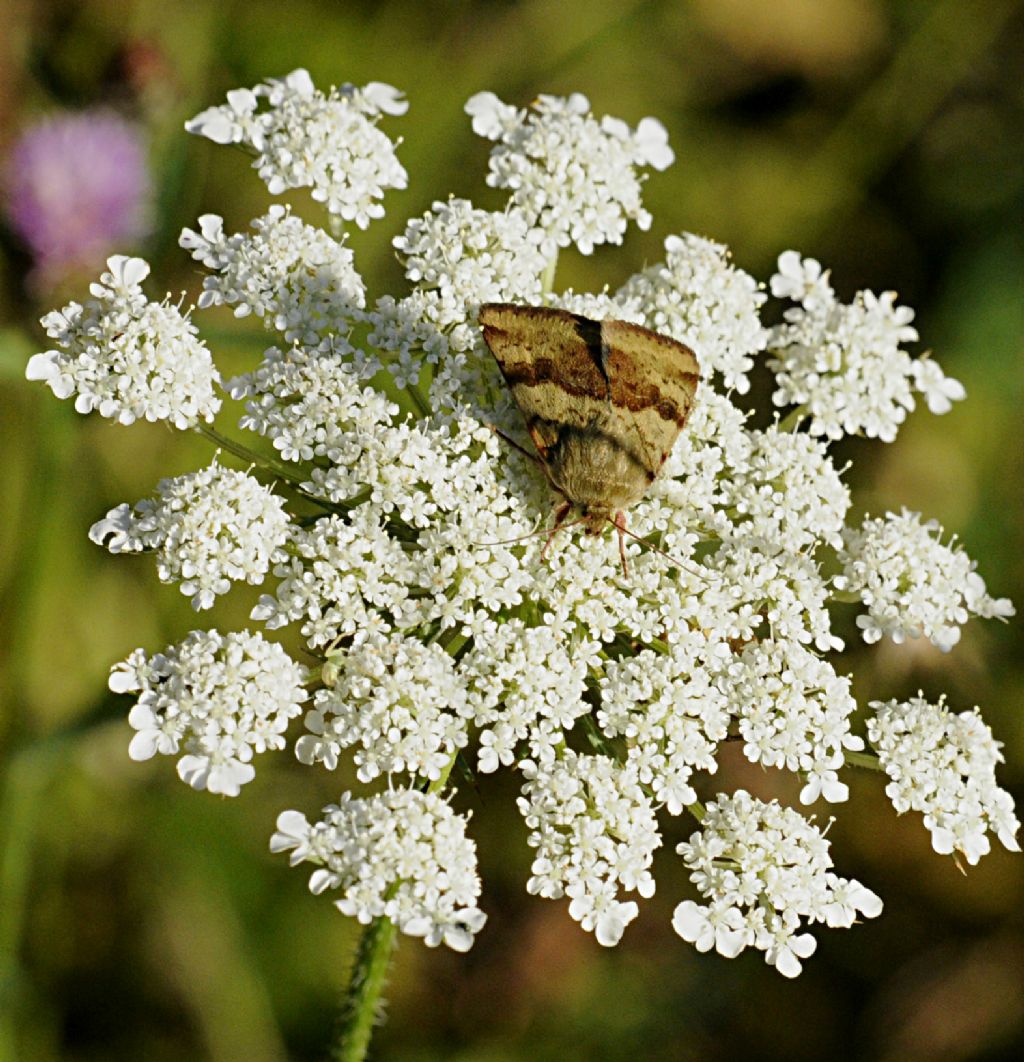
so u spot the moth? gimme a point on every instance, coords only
(603, 401)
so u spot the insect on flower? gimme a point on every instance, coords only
(604, 402)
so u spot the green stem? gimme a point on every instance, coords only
(278, 468)
(791, 421)
(863, 759)
(547, 280)
(421, 404)
(360, 1009)
(242, 451)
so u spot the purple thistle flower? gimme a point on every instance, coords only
(77, 185)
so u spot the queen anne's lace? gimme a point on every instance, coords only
(398, 702)
(219, 698)
(913, 583)
(296, 277)
(595, 834)
(447, 624)
(697, 297)
(843, 365)
(767, 872)
(209, 529)
(402, 855)
(794, 711)
(572, 175)
(305, 138)
(126, 357)
(944, 765)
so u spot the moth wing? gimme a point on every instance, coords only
(652, 380)
(552, 361)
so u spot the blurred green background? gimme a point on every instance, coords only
(141, 921)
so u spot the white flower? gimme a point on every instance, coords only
(525, 684)
(595, 834)
(219, 698)
(209, 529)
(766, 872)
(294, 276)
(802, 280)
(314, 403)
(912, 583)
(338, 575)
(126, 357)
(940, 391)
(943, 765)
(670, 712)
(571, 175)
(844, 365)
(409, 545)
(785, 494)
(697, 297)
(794, 712)
(233, 122)
(459, 257)
(398, 702)
(307, 139)
(402, 855)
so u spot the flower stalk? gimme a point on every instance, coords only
(361, 1006)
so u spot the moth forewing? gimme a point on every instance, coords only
(603, 402)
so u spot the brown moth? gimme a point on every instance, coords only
(604, 402)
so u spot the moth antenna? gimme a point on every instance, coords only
(533, 534)
(515, 446)
(623, 530)
(560, 514)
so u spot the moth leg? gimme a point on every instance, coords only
(560, 514)
(619, 523)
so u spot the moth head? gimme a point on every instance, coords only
(596, 521)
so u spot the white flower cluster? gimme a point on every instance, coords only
(526, 685)
(595, 833)
(913, 583)
(210, 529)
(220, 698)
(794, 712)
(458, 257)
(671, 713)
(305, 138)
(296, 277)
(126, 357)
(943, 764)
(767, 872)
(313, 402)
(573, 176)
(843, 364)
(402, 855)
(697, 297)
(784, 494)
(398, 702)
(416, 568)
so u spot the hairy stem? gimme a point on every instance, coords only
(363, 1000)
(862, 759)
(361, 1005)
